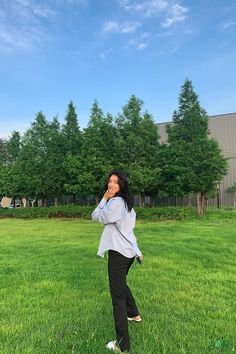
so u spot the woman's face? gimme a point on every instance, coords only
(113, 184)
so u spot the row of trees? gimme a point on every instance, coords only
(52, 160)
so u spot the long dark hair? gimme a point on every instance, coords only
(124, 187)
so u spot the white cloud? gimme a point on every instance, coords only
(105, 53)
(147, 8)
(22, 22)
(71, 2)
(43, 11)
(125, 27)
(129, 27)
(19, 28)
(31, 9)
(177, 14)
(138, 43)
(111, 26)
(141, 46)
(227, 25)
(172, 11)
(12, 38)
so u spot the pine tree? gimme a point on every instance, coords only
(137, 146)
(95, 161)
(194, 158)
(32, 162)
(98, 151)
(13, 146)
(71, 131)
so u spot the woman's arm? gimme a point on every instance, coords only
(108, 212)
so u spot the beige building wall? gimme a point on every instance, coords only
(222, 127)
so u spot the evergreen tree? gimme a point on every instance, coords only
(71, 131)
(3, 151)
(72, 140)
(3, 159)
(55, 173)
(32, 162)
(195, 159)
(137, 146)
(96, 158)
(13, 146)
(10, 177)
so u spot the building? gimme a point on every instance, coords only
(223, 128)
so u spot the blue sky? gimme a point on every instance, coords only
(54, 51)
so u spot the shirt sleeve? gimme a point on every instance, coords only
(108, 212)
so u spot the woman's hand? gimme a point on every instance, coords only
(109, 194)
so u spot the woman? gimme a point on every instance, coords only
(116, 213)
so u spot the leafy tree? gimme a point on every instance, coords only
(54, 173)
(172, 172)
(72, 140)
(98, 152)
(97, 155)
(10, 149)
(3, 151)
(3, 160)
(195, 158)
(71, 131)
(32, 163)
(137, 146)
(13, 146)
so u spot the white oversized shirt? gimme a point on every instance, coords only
(118, 231)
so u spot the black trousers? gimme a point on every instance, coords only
(122, 299)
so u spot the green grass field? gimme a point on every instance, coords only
(54, 296)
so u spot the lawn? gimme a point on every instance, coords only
(54, 296)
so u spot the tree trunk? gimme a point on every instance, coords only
(143, 200)
(43, 201)
(200, 203)
(56, 201)
(73, 199)
(235, 200)
(152, 202)
(140, 199)
(97, 200)
(189, 201)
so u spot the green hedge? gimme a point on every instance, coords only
(62, 211)
(84, 212)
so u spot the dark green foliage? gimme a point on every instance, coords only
(97, 156)
(54, 161)
(72, 140)
(62, 211)
(84, 212)
(194, 162)
(13, 146)
(70, 211)
(3, 151)
(71, 134)
(138, 147)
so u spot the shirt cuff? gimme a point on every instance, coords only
(102, 203)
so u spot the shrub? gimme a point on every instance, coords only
(149, 214)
